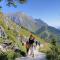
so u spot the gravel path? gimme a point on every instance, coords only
(37, 56)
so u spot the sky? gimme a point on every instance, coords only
(46, 10)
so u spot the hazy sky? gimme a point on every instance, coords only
(47, 10)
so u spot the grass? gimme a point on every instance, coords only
(27, 33)
(45, 48)
(1, 40)
(46, 45)
(12, 37)
(10, 55)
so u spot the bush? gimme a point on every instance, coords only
(48, 55)
(3, 56)
(11, 55)
(54, 53)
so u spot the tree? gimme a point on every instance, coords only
(13, 2)
(53, 42)
(54, 53)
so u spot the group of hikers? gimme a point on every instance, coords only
(30, 43)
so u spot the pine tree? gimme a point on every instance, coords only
(54, 53)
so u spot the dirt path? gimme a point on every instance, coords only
(37, 55)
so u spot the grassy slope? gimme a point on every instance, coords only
(24, 32)
(11, 34)
(46, 45)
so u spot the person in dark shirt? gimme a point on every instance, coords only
(37, 43)
(29, 43)
(31, 40)
(27, 47)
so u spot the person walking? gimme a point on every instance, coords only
(29, 43)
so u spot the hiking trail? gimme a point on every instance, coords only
(37, 55)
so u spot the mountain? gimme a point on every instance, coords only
(10, 36)
(47, 32)
(17, 27)
(58, 28)
(17, 20)
(11, 33)
(23, 20)
(37, 26)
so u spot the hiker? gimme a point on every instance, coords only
(36, 43)
(31, 40)
(29, 43)
(39, 43)
(27, 46)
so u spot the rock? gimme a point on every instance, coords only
(7, 42)
(2, 32)
(2, 49)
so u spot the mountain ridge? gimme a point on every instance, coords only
(36, 26)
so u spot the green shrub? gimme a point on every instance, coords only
(3, 56)
(11, 55)
(54, 53)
